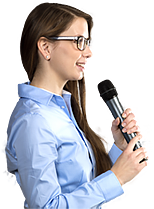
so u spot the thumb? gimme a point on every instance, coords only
(117, 121)
(133, 142)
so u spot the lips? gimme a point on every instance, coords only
(81, 64)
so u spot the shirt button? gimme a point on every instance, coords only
(62, 107)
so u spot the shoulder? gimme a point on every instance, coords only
(29, 124)
(28, 111)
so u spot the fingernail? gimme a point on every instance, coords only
(124, 115)
(124, 130)
(123, 124)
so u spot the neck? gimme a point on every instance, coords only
(48, 82)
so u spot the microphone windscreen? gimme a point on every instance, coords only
(105, 90)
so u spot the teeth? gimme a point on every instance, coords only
(82, 65)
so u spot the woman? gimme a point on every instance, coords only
(59, 162)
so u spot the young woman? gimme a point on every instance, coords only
(59, 162)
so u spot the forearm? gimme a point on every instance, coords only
(101, 190)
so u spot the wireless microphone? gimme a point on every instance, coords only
(110, 96)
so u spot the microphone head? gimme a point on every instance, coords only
(106, 90)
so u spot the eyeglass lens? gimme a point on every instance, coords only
(81, 43)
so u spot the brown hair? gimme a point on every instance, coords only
(51, 19)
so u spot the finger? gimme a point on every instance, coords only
(141, 156)
(130, 117)
(117, 121)
(139, 151)
(138, 133)
(135, 129)
(142, 165)
(126, 111)
(131, 127)
(133, 142)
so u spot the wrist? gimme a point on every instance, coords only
(122, 184)
(121, 146)
(119, 179)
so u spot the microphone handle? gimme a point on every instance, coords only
(117, 110)
(128, 137)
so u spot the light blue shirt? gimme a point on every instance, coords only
(50, 156)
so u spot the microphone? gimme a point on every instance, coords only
(110, 96)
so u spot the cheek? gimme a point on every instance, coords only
(68, 56)
(65, 57)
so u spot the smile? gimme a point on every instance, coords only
(82, 68)
(81, 65)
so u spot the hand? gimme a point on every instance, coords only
(130, 126)
(127, 165)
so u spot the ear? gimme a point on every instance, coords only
(45, 48)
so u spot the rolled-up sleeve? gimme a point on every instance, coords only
(36, 149)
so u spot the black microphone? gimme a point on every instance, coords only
(110, 96)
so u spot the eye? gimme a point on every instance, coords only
(81, 42)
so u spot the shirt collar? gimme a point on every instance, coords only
(42, 96)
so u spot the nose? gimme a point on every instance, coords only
(87, 53)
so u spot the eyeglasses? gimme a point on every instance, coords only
(81, 41)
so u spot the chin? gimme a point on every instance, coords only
(81, 76)
(78, 77)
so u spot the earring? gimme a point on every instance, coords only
(47, 57)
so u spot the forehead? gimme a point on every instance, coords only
(78, 27)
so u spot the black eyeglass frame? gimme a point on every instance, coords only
(72, 38)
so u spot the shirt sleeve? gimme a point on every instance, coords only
(36, 150)
(114, 153)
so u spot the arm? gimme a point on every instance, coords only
(114, 152)
(36, 150)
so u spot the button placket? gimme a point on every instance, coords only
(61, 103)
(91, 158)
